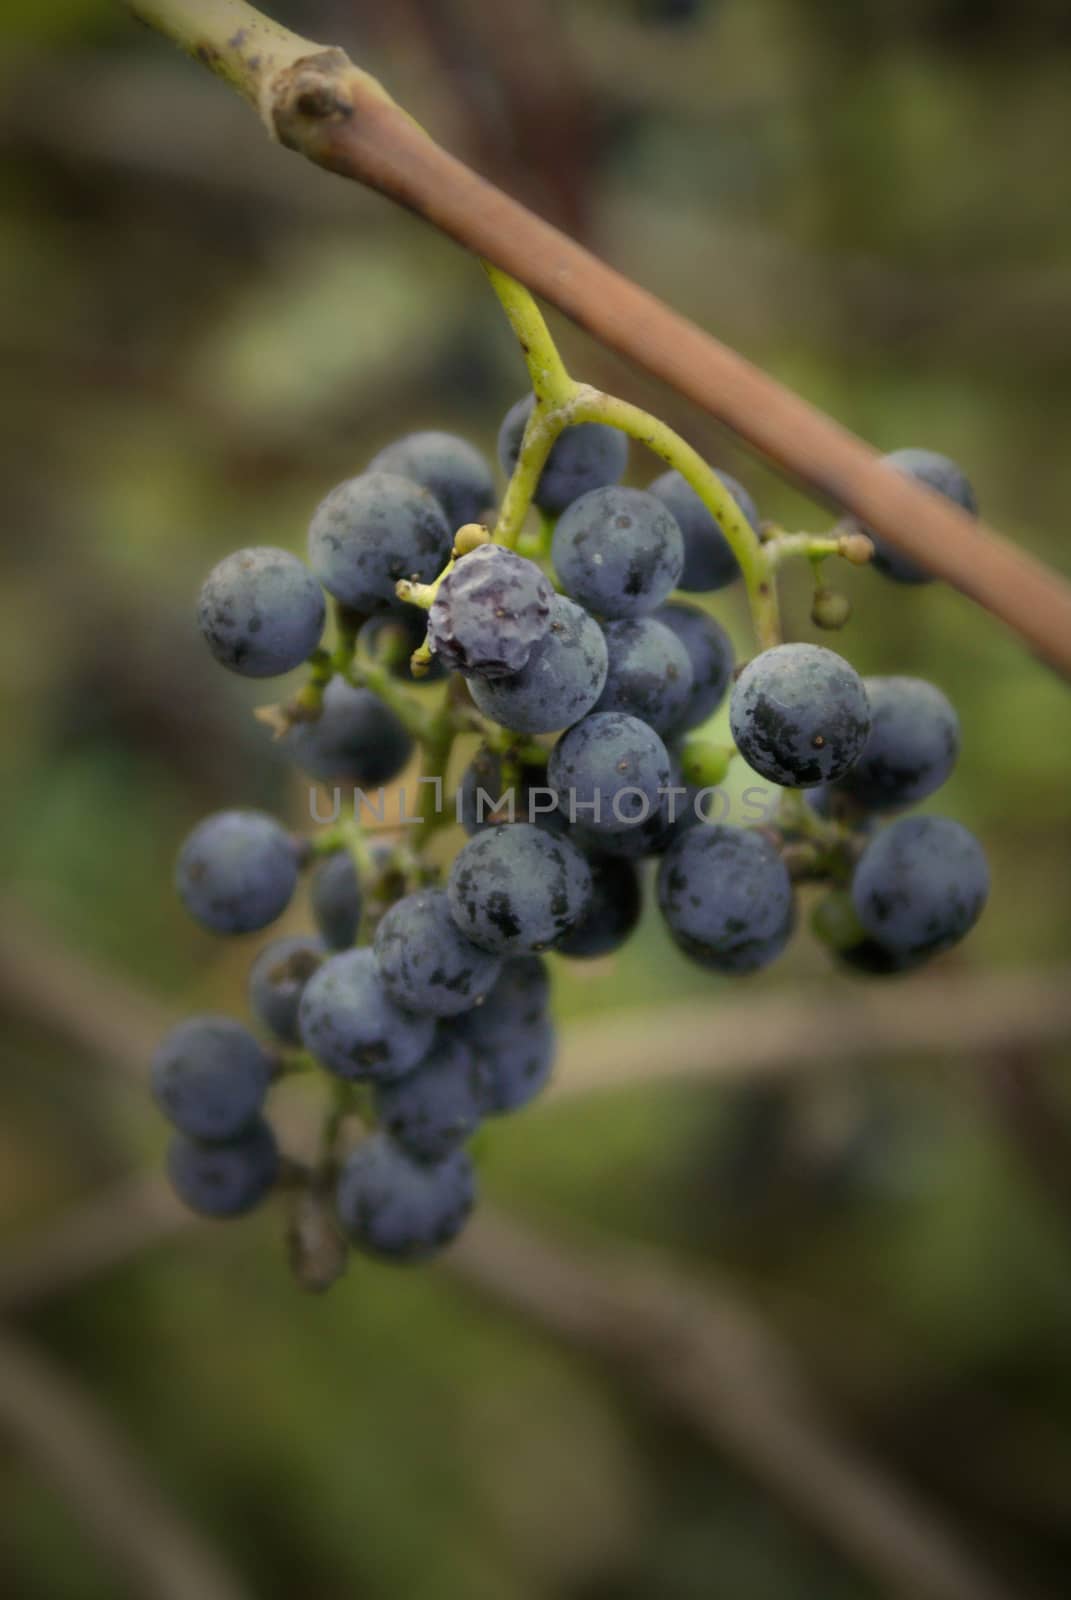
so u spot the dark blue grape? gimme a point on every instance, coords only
(609, 771)
(710, 651)
(799, 715)
(611, 918)
(261, 612)
(588, 456)
(835, 923)
(350, 1023)
(709, 562)
(452, 470)
(920, 885)
(649, 672)
(209, 1077)
(517, 1002)
(391, 637)
(335, 893)
(356, 738)
(426, 963)
(726, 897)
(564, 677)
(224, 1180)
(678, 810)
(373, 530)
(514, 889)
(484, 796)
(937, 472)
(912, 748)
(399, 1209)
(278, 979)
(618, 552)
(440, 1105)
(489, 612)
(514, 1068)
(237, 871)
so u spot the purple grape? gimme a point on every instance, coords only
(800, 715)
(563, 679)
(210, 1077)
(350, 1023)
(372, 530)
(237, 871)
(426, 963)
(726, 897)
(514, 889)
(618, 552)
(649, 672)
(261, 612)
(489, 612)
(585, 457)
(450, 468)
(278, 979)
(398, 1209)
(224, 1180)
(709, 562)
(355, 738)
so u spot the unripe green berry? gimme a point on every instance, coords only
(705, 764)
(830, 609)
(834, 921)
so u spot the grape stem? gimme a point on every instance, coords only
(561, 402)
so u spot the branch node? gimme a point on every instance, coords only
(311, 92)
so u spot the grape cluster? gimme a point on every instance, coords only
(423, 992)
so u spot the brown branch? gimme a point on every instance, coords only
(955, 1014)
(699, 1353)
(78, 1450)
(715, 1366)
(705, 1357)
(321, 105)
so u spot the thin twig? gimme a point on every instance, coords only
(78, 1450)
(103, 1232)
(956, 1015)
(317, 102)
(730, 1036)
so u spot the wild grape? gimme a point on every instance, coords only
(800, 715)
(261, 612)
(588, 456)
(618, 552)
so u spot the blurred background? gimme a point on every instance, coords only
(201, 335)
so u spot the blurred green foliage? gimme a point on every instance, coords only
(202, 337)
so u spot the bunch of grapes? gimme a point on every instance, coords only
(423, 992)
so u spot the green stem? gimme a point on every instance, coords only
(677, 453)
(540, 437)
(551, 383)
(785, 546)
(561, 403)
(414, 716)
(241, 45)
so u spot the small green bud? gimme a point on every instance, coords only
(856, 548)
(470, 537)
